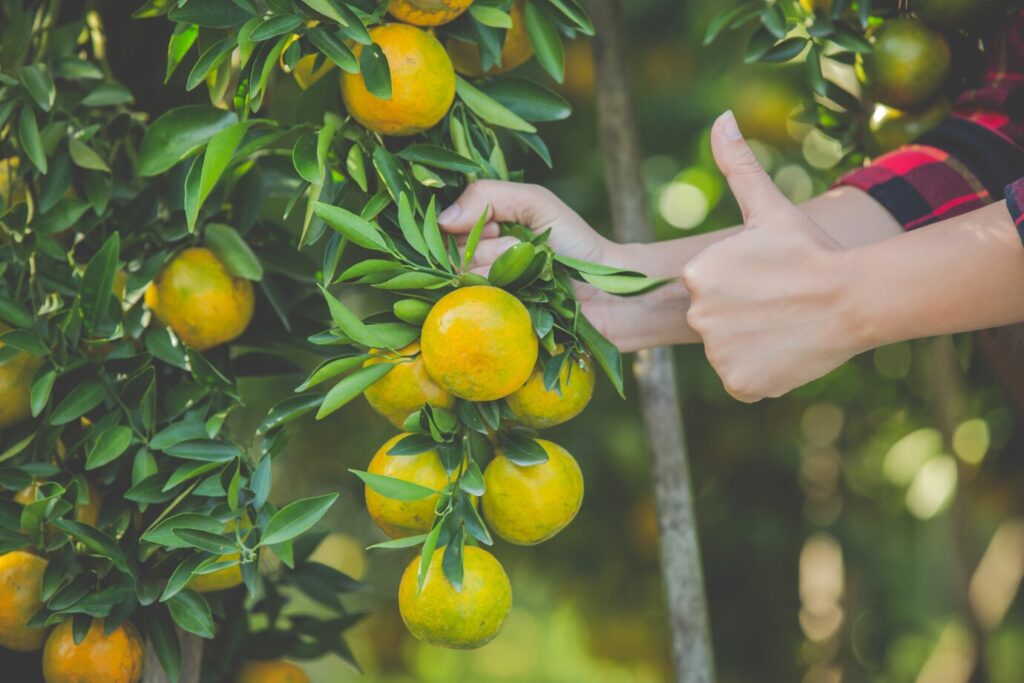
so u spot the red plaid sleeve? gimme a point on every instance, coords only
(1015, 203)
(966, 162)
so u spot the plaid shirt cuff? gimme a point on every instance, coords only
(1015, 203)
(919, 184)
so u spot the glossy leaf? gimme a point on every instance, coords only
(296, 518)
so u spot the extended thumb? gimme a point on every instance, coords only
(750, 184)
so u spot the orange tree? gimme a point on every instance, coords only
(127, 504)
(136, 254)
(907, 59)
(448, 352)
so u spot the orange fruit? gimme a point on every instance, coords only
(427, 12)
(422, 83)
(99, 658)
(399, 518)
(345, 553)
(537, 407)
(528, 504)
(15, 383)
(515, 51)
(478, 343)
(21, 585)
(276, 671)
(907, 65)
(406, 388)
(460, 619)
(200, 300)
(890, 128)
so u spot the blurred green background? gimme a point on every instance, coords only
(865, 528)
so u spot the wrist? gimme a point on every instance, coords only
(858, 304)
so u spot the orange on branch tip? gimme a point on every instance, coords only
(479, 344)
(400, 518)
(459, 619)
(516, 50)
(422, 83)
(99, 658)
(21, 581)
(907, 65)
(197, 297)
(427, 12)
(538, 407)
(528, 504)
(406, 388)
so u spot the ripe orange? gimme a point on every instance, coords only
(440, 615)
(200, 300)
(515, 51)
(890, 128)
(21, 585)
(427, 12)
(399, 518)
(15, 383)
(478, 343)
(539, 408)
(907, 66)
(99, 658)
(406, 388)
(422, 83)
(528, 504)
(276, 671)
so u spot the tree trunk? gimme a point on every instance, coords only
(692, 654)
(191, 661)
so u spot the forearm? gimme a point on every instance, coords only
(965, 273)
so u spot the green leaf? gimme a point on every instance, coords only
(109, 446)
(722, 20)
(238, 257)
(572, 11)
(432, 235)
(86, 157)
(161, 634)
(395, 543)
(83, 398)
(389, 170)
(427, 553)
(39, 84)
(356, 166)
(13, 314)
(451, 561)
(95, 541)
(191, 612)
(288, 410)
(296, 518)
(28, 136)
(490, 109)
(625, 285)
(181, 42)
(328, 9)
(210, 58)
(522, 450)
(178, 133)
(413, 444)
(275, 26)
(349, 323)
(205, 450)
(304, 159)
(333, 48)
(163, 534)
(98, 281)
(774, 19)
(176, 433)
(329, 370)
(491, 16)
(407, 223)
(547, 45)
(606, 353)
(357, 229)
(39, 394)
(209, 13)
(181, 575)
(530, 100)
(439, 157)
(350, 387)
(786, 50)
(395, 489)
(107, 95)
(218, 156)
(474, 237)
(413, 280)
(373, 64)
(205, 540)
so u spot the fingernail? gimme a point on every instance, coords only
(729, 127)
(450, 214)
